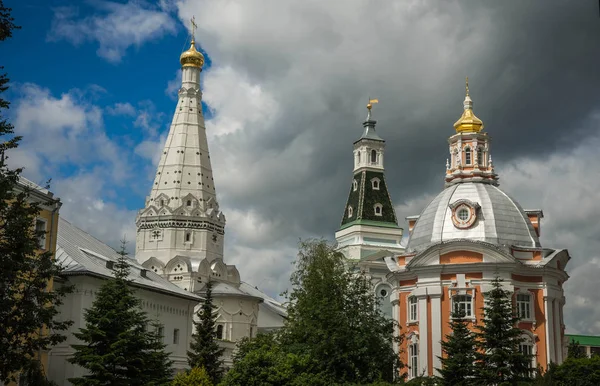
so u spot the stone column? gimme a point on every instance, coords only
(421, 294)
(550, 351)
(435, 294)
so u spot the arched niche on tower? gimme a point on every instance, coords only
(154, 265)
(233, 275)
(178, 264)
(189, 202)
(219, 269)
(204, 268)
(162, 200)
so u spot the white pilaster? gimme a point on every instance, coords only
(435, 294)
(557, 334)
(395, 300)
(549, 329)
(421, 294)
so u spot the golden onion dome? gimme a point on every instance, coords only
(468, 122)
(192, 57)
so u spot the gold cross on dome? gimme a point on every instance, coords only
(467, 85)
(194, 26)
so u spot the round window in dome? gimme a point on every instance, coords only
(383, 293)
(463, 215)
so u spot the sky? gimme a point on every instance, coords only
(93, 90)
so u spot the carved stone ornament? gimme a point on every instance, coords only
(464, 213)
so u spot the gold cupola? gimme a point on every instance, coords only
(468, 122)
(192, 57)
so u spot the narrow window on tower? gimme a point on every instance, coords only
(375, 183)
(354, 185)
(188, 237)
(162, 202)
(358, 157)
(40, 232)
(176, 336)
(412, 309)
(467, 155)
(349, 211)
(189, 203)
(220, 331)
(373, 156)
(378, 210)
(480, 156)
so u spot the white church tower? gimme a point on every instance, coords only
(182, 216)
(180, 231)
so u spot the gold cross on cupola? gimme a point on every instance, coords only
(194, 26)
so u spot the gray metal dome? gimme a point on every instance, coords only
(499, 219)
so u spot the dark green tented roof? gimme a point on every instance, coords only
(363, 200)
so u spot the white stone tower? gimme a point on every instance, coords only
(181, 216)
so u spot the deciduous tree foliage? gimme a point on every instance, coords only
(27, 307)
(194, 377)
(458, 361)
(334, 317)
(575, 350)
(116, 347)
(498, 358)
(205, 351)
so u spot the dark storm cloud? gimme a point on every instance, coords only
(533, 78)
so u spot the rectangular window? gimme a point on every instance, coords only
(161, 333)
(524, 306)
(40, 226)
(463, 303)
(527, 349)
(468, 156)
(176, 336)
(413, 360)
(412, 309)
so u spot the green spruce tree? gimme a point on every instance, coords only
(116, 347)
(28, 306)
(458, 361)
(159, 365)
(205, 351)
(500, 360)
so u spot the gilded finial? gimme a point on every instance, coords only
(191, 57)
(371, 102)
(467, 85)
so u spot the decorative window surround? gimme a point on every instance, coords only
(378, 209)
(461, 289)
(349, 211)
(375, 183)
(413, 355)
(524, 302)
(412, 313)
(354, 185)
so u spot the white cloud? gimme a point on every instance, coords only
(121, 109)
(174, 85)
(116, 27)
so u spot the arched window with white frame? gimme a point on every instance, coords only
(349, 211)
(528, 347)
(480, 156)
(413, 356)
(378, 208)
(468, 155)
(373, 156)
(354, 185)
(375, 183)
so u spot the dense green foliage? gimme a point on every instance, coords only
(27, 306)
(573, 372)
(458, 360)
(205, 351)
(194, 377)
(498, 358)
(116, 347)
(334, 334)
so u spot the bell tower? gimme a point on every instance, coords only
(369, 221)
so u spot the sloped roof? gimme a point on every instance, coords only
(270, 303)
(82, 254)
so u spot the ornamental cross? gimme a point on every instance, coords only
(194, 26)
(467, 84)
(156, 234)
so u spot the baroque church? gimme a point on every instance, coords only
(470, 233)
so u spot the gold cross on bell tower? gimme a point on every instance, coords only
(194, 26)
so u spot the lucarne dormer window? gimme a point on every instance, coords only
(354, 185)
(349, 211)
(375, 183)
(378, 209)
